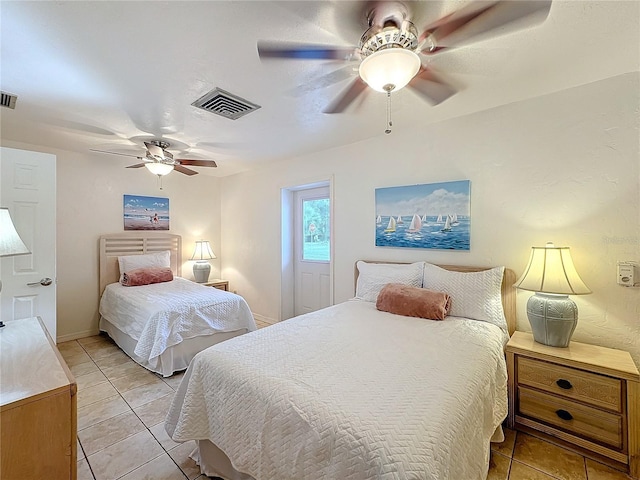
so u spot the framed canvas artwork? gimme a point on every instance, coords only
(146, 213)
(432, 215)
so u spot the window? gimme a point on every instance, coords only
(315, 234)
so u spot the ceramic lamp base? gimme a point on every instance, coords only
(201, 271)
(553, 318)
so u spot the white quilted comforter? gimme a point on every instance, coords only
(349, 393)
(161, 315)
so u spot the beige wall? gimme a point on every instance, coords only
(562, 167)
(90, 189)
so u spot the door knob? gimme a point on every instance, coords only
(45, 282)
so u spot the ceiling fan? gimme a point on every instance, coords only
(159, 161)
(393, 54)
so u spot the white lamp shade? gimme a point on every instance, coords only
(158, 168)
(10, 242)
(391, 66)
(551, 270)
(203, 251)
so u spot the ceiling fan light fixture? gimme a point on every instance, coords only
(158, 168)
(389, 69)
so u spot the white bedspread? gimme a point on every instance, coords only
(161, 315)
(349, 393)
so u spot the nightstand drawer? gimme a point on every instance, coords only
(575, 418)
(591, 388)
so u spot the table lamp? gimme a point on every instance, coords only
(202, 268)
(552, 314)
(10, 242)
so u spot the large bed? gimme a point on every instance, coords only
(353, 392)
(162, 326)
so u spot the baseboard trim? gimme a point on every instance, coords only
(262, 318)
(77, 335)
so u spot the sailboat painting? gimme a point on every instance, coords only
(439, 213)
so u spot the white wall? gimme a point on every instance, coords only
(90, 189)
(564, 168)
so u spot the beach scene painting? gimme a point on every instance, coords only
(146, 213)
(433, 215)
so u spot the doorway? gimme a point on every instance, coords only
(307, 249)
(28, 189)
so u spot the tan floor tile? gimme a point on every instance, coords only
(113, 430)
(154, 412)
(136, 379)
(84, 472)
(597, 471)
(549, 458)
(96, 393)
(93, 339)
(160, 468)
(80, 452)
(180, 455)
(76, 358)
(146, 393)
(69, 348)
(520, 471)
(101, 350)
(498, 467)
(83, 368)
(506, 447)
(115, 358)
(101, 411)
(90, 379)
(163, 437)
(124, 456)
(121, 370)
(174, 380)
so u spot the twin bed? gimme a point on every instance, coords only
(162, 326)
(354, 392)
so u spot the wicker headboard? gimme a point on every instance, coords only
(138, 243)
(508, 290)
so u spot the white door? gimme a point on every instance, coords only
(312, 246)
(28, 190)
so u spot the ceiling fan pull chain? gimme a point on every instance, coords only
(160, 181)
(389, 124)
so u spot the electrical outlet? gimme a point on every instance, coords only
(628, 274)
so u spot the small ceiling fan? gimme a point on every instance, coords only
(160, 161)
(393, 54)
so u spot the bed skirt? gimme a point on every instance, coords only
(214, 462)
(173, 359)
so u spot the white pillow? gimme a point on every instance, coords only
(373, 276)
(475, 295)
(147, 260)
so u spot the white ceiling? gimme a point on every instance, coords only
(106, 74)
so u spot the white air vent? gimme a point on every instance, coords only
(225, 104)
(8, 100)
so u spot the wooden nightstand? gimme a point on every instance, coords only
(219, 284)
(583, 397)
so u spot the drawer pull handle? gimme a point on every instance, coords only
(562, 383)
(564, 415)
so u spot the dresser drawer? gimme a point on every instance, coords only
(592, 388)
(581, 420)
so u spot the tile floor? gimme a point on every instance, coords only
(122, 407)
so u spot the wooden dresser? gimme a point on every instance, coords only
(37, 405)
(583, 397)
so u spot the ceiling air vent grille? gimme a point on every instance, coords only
(7, 100)
(225, 104)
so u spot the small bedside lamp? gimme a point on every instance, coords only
(552, 314)
(202, 268)
(10, 242)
